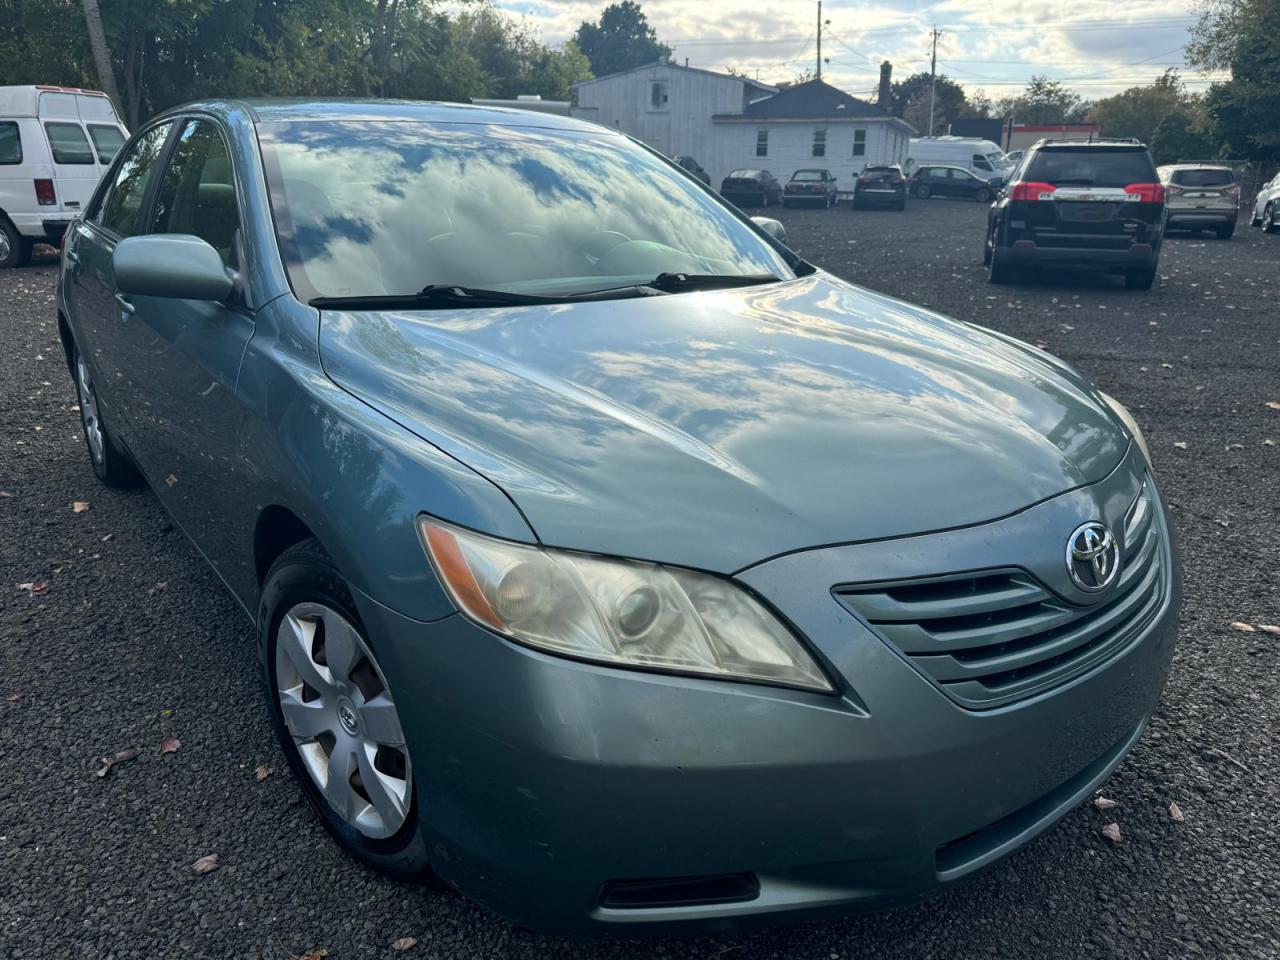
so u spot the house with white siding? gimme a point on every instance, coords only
(729, 122)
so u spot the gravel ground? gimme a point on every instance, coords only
(135, 640)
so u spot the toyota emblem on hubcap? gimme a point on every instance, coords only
(1093, 557)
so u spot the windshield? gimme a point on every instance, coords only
(999, 161)
(807, 175)
(385, 208)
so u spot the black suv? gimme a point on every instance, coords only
(1093, 203)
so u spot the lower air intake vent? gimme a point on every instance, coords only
(680, 891)
(989, 637)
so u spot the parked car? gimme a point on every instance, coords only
(981, 157)
(881, 184)
(1098, 204)
(953, 182)
(55, 143)
(609, 560)
(747, 188)
(695, 168)
(1201, 196)
(1266, 206)
(812, 187)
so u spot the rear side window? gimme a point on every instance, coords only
(106, 140)
(198, 193)
(1203, 178)
(123, 204)
(68, 143)
(1091, 167)
(10, 142)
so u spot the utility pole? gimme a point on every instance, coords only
(819, 39)
(933, 77)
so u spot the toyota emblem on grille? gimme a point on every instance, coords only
(1093, 557)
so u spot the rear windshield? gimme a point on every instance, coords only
(10, 142)
(106, 140)
(68, 144)
(807, 175)
(1090, 167)
(744, 174)
(1203, 178)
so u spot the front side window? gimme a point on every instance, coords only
(980, 162)
(762, 143)
(119, 212)
(859, 143)
(386, 208)
(68, 143)
(10, 142)
(107, 141)
(820, 142)
(657, 95)
(198, 193)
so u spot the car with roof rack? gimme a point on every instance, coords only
(1095, 203)
(1201, 196)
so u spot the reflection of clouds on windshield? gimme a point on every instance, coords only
(387, 207)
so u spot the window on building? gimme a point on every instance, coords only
(657, 94)
(820, 142)
(859, 143)
(762, 143)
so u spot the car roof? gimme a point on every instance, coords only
(278, 109)
(1089, 145)
(1196, 166)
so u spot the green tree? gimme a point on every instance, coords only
(1180, 137)
(910, 100)
(621, 40)
(1138, 111)
(1044, 101)
(1244, 111)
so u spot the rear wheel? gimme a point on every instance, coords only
(983, 195)
(111, 464)
(998, 271)
(15, 249)
(1270, 223)
(1140, 279)
(922, 190)
(334, 712)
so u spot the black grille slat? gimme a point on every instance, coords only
(987, 637)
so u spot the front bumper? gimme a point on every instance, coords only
(540, 780)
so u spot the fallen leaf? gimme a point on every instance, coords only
(6, 494)
(1269, 628)
(35, 588)
(1102, 803)
(1175, 813)
(171, 479)
(170, 745)
(404, 943)
(315, 954)
(14, 697)
(262, 773)
(1242, 627)
(1268, 443)
(1112, 832)
(158, 588)
(1180, 444)
(206, 864)
(1273, 405)
(80, 506)
(123, 756)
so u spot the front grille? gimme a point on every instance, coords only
(989, 637)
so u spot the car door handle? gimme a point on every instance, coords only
(72, 256)
(125, 305)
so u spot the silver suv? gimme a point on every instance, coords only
(1201, 196)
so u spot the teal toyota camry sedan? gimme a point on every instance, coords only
(607, 559)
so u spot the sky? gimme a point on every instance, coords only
(1097, 47)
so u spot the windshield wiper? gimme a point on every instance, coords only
(433, 296)
(680, 282)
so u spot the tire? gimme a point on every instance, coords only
(1269, 222)
(983, 196)
(1226, 231)
(111, 464)
(922, 191)
(1139, 279)
(15, 249)
(998, 272)
(304, 586)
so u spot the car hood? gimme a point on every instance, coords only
(721, 428)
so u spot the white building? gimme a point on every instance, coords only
(727, 122)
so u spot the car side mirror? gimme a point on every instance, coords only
(172, 265)
(772, 227)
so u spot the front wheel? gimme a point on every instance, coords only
(15, 249)
(922, 191)
(983, 196)
(1269, 221)
(334, 713)
(110, 463)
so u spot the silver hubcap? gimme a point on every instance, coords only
(339, 711)
(4, 246)
(89, 411)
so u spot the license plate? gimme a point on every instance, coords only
(1091, 213)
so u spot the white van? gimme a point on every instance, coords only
(982, 157)
(55, 144)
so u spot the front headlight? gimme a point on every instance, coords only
(1121, 411)
(620, 612)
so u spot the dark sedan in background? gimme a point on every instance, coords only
(606, 557)
(881, 185)
(751, 188)
(939, 181)
(810, 188)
